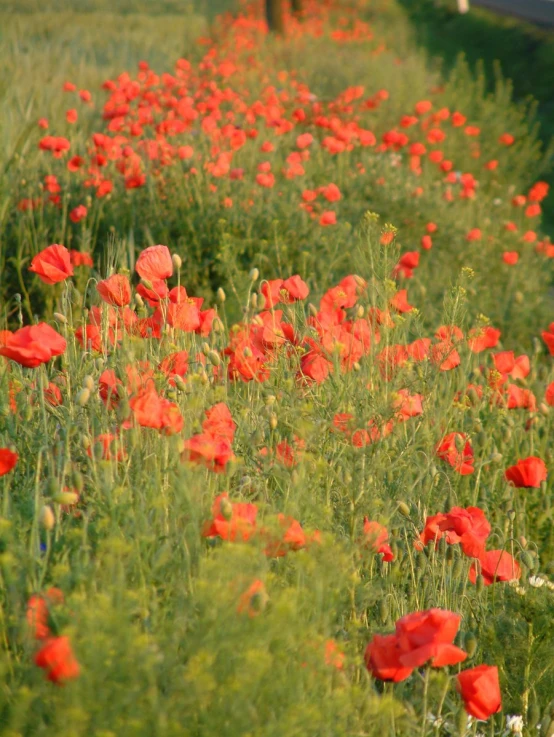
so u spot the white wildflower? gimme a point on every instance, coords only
(514, 724)
(536, 581)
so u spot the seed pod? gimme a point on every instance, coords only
(177, 261)
(46, 517)
(88, 382)
(221, 295)
(83, 397)
(254, 274)
(470, 644)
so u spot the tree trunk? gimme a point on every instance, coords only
(275, 16)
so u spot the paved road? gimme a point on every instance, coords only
(536, 11)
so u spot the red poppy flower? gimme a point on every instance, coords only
(231, 520)
(8, 460)
(37, 611)
(496, 565)
(480, 690)
(52, 264)
(548, 337)
(528, 473)
(376, 536)
(469, 527)
(428, 636)
(479, 339)
(456, 450)
(151, 410)
(78, 213)
(115, 290)
(32, 345)
(253, 600)
(382, 659)
(154, 263)
(209, 450)
(58, 660)
(219, 421)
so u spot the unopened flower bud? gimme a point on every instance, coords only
(384, 610)
(527, 560)
(404, 509)
(270, 399)
(214, 358)
(254, 274)
(60, 318)
(217, 326)
(470, 644)
(360, 311)
(254, 301)
(67, 498)
(221, 295)
(177, 261)
(519, 298)
(273, 421)
(312, 309)
(83, 397)
(226, 508)
(179, 383)
(77, 481)
(247, 352)
(461, 721)
(139, 300)
(479, 583)
(46, 517)
(88, 382)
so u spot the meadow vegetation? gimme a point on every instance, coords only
(276, 380)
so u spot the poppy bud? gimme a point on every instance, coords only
(496, 457)
(221, 295)
(510, 514)
(77, 481)
(270, 399)
(46, 517)
(523, 541)
(533, 716)
(527, 560)
(360, 311)
(461, 721)
(226, 508)
(60, 318)
(213, 358)
(85, 440)
(88, 382)
(205, 348)
(254, 301)
(52, 486)
(404, 509)
(356, 366)
(312, 309)
(273, 421)
(443, 546)
(204, 378)
(254, 274)
(519, 298)
(139, 300)
(479, 583)
(450, 554)
(217, 326)
(384, 611)
(177, 261)
(470, 644)
(66, 498)
(28, 413)
(247, 352)
(544, 410)
(83, 397)
(460, 443)
(457, 568)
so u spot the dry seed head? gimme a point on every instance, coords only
(46, 517)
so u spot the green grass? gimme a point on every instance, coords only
(153, 608)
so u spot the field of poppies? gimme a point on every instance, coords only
(276, 382)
